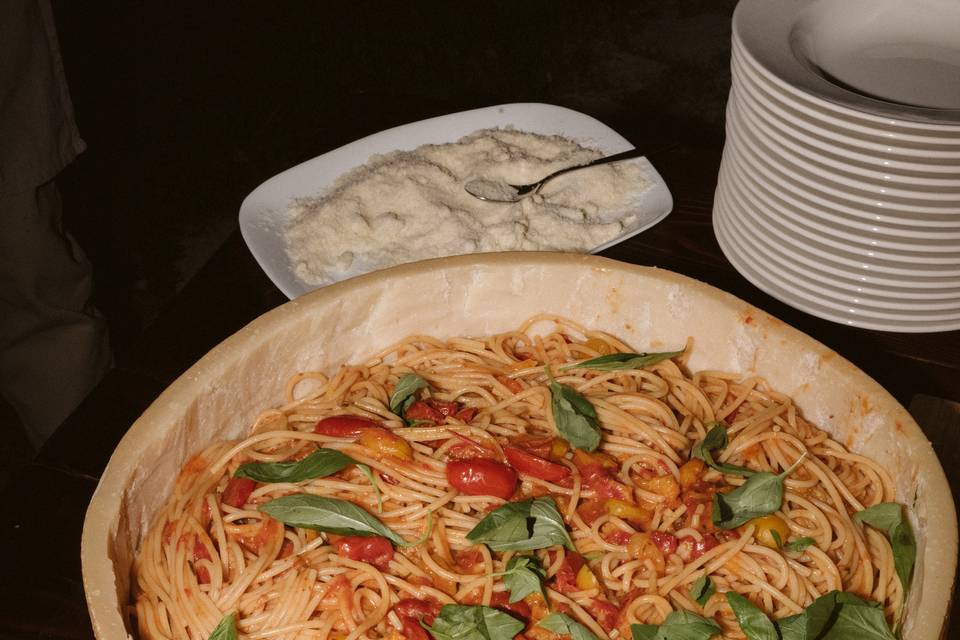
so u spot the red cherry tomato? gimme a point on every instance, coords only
(701, 546)
(605, 613)
(238, 491)
(519, 609)
(376, 550)
(566, 578)
(200, 553)
(466, 414)
(427, 608)
(412, 629)
(422, 411)
(445, 407)
(666, 542)
(344, 426)
(482, 477)
(537, 445)
(535, 466)
(619, 536)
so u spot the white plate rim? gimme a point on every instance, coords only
(840, 283)
(817, 310)
(931, 215)
(783, 155)
(761, 195)
(763, 28)
(836, 158)
(852, 223)
(813, 246)
(876, 132)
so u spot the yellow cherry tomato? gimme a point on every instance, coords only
(598, 345)
(626, 510)
(559, 448)
(585, 579)
(771, 531)
(384, 443)
(691, 472)
(665, 485)
(642, 547)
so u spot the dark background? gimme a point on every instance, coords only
(186, 108)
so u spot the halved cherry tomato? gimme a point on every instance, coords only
(412, 611)
(616, 536)
(466, 414)
(519, 609)
(666, 542)
(510, 383)
(426, 608)
(466, 448)
(200, 553)
(482, 477)
(468, 559)
(238, 491)
(267, 530)
(345, 426)
(605, 613)
(597, 474)
(412, 629)
(566, 578)
(375, 550)
(691, 549)
(590, 510)
(537, 445)
(421, 411)
(535, 465)
(445, 407)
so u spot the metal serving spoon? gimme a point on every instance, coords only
(494, 191)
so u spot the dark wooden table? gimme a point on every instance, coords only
(41, 595)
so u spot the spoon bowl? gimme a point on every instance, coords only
(498, 191)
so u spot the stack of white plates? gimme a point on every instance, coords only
(839, 190)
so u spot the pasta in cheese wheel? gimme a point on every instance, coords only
(639, 509)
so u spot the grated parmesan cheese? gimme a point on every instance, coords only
(411, 205)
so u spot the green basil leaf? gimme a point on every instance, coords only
(473, 622)
(679, 625)
(837, 616)
(522, 526)
(776, 538)
(644, 631)
(716, 438)
(368, 472)
(858, 621)
(319, 464)
(524, 575)
(753, 622)
(792, 627)
(575, 417)
(330, 515)
(760, 495)
(622, 361)
(226, 629)
(404, 394)
(702, 589)
(890, 517)
(800, 544)
(565, 625)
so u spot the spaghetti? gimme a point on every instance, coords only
(638, 508)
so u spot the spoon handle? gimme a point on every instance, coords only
(623, 155)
